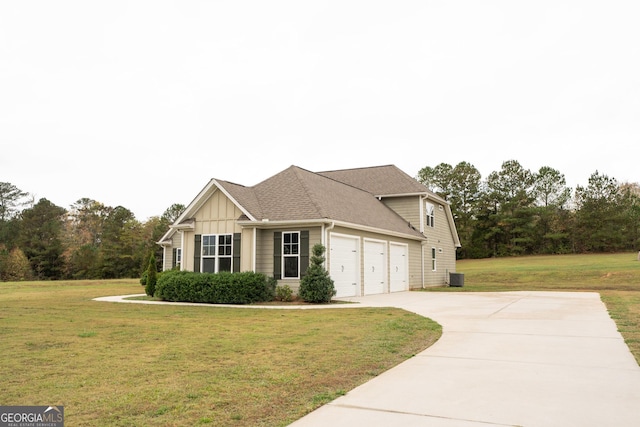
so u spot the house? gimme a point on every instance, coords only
(382, 229)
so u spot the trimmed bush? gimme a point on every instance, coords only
(219, 288)
(317, 286)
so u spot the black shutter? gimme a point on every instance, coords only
(236, 252)
(175, 253)
(277, 255)
(196, 253)
(304, 251)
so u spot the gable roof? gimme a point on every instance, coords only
(296, 194)
(349, 196)
(381, 181)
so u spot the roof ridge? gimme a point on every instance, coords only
(297, 170)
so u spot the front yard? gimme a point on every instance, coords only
(138, 365)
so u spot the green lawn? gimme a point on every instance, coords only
(138, 365)
(115, 364)
(615, 276)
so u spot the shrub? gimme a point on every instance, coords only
(150, 286)
(218, 288)
(284, 293)
(316, 286)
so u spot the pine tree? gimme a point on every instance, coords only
(152, 276)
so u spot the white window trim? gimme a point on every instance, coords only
(430, 219)
(283, 256)
(216, 256)
(434, 262)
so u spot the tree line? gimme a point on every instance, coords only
(42, 241)
(515, 211)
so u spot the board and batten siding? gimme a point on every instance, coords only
(217, 215)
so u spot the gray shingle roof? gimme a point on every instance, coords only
(379, 180)
(297, 194)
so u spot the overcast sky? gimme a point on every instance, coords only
(140, 103)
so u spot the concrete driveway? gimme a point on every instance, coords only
(505, 359)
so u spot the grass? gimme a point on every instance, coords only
(615, 276)
(138, 365)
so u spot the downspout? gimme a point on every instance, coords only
(325, 237)
(181, 250)
(254, 261)
(422, 245)
(424, 242)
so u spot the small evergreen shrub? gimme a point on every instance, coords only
(284, 293)
(316, 286)
(152, 276)
(215, 288)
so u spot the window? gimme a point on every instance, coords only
(430, 211)
(217, 253)
(291, 255)
(225, 252)
(178, 259)
(433, 259)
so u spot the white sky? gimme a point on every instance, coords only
(140, 103)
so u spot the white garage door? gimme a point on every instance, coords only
(374, 267)
(399, 266)
(345, 265)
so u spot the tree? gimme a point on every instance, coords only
(152, 276)
(509, 198)
(630, 206)
(466, 184)
(10, 197)
(549, 188)
(122, 245)
(553, 223)
(41, 239)
(173, 212)
(316, 286)
(10, 202)
(599, 222)
(83, 238)
(16, 267)
(438, 179)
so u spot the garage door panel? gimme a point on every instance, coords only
(345, 265)
(374, 268)
(399, 265)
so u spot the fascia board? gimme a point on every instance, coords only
(297, 223)
(235, 202)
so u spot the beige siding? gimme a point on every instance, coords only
(440, 238)
(415, 254)
(246, 252)
(176, 241)
(264, 244)
(407, 207)
(218, 215)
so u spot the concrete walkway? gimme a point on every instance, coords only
(505, 359)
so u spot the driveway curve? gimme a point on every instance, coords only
(504, 359)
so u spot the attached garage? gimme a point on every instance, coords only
(344, 262)
(399, 267)
(375, 262)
